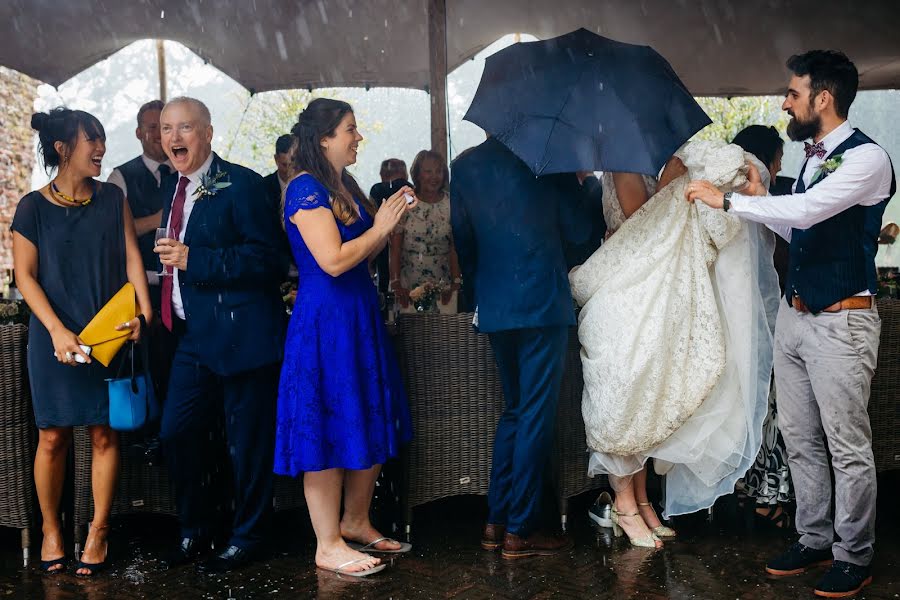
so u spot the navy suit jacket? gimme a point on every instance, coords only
(509, 229)
(230, 291)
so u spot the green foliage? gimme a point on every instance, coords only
(272, 114)
(730, 115)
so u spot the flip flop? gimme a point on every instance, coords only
(340, 569)
(370, 547)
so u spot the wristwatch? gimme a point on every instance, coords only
(726, 201)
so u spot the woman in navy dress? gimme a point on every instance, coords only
(342, 409)
(74, 247)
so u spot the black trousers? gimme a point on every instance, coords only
(248, 399)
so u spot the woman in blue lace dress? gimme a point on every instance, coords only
(342, 409)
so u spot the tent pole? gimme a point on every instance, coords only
(161, 63)
(437, 58)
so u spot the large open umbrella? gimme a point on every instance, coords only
(585, 102)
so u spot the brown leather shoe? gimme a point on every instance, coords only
(536, 544)
(492, 538)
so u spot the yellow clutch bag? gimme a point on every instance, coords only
(101, 335)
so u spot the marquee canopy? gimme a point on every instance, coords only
(718, 47)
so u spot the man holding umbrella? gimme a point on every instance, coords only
(509, 228)
(576, 103)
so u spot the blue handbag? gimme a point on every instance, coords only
(132, 402)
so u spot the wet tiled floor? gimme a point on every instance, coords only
(715, 560)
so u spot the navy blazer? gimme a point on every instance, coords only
(230, 291)
(509, 229)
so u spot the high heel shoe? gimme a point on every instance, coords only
(647, 541)
(661, 531)
(93, 568)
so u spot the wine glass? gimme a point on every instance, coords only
(163, 233)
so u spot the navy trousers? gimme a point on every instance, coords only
(190, 412)
(531, 363)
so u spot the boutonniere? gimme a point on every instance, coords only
(829, 166)
(210, 185)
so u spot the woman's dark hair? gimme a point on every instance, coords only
(318, 120)
(416, 169)
(762, 142)
(828, 70)
(63, 125)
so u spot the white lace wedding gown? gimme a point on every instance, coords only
(676, 343)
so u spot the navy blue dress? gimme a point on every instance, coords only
(81, 265)
(341, 402)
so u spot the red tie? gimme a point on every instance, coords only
(175, 222)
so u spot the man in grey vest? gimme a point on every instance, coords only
(140, 179)
(827, 331)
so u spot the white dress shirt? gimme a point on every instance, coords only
(864, 177)
(282, 183)
(177, 304)
(118, 179)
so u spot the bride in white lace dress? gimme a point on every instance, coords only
(676, 347)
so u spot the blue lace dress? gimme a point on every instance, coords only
(341, 401)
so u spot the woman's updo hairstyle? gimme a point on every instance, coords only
(63, 125)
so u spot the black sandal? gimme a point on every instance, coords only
(773, 518)
(93, 568)
(47, 565)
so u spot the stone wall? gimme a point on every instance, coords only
(17, 94)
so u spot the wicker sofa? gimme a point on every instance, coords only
(18, 436)
(884, 403)
(456, 399)
(144, 485)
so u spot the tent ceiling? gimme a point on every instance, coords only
(718, 47)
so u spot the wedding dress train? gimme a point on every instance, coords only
(676, 337)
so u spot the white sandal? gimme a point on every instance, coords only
(340, 569)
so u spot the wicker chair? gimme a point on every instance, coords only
(455, 399)
(570, 458)
(18, 439)
(884, 403)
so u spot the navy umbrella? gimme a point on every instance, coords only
(583, 102)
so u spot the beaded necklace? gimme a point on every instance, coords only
(58, 195)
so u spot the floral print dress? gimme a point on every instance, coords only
(427, 242)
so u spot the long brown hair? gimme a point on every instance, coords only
(318, 120)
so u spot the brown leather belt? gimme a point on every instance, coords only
(851, 303)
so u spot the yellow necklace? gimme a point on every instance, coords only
(58, 195)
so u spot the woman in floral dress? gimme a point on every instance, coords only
(422, 245)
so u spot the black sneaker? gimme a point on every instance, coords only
(797, 559)
(842, 580)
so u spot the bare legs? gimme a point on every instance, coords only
(49, 476)
(629, 492)
(104, 471)
(644, 506)
(323, 497)
(355, 525)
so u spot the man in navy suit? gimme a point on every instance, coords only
(510, 228)
(222, 303)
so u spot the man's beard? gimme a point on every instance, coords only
(803, 130)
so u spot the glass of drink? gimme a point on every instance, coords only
(163, 233)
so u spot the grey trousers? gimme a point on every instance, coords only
(823, 372)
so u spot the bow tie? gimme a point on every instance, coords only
(817, 150)
(164, 170)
